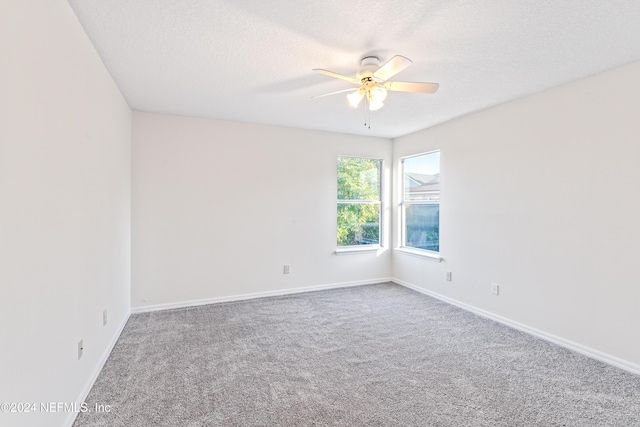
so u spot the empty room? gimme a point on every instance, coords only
(278, 213)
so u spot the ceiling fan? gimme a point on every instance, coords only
(373, 81)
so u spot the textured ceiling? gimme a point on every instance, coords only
(251, 60)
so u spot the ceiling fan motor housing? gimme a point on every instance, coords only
(370, 64)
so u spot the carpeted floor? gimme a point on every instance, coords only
(378, 355)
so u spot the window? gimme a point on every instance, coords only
(420, 204)
(358, 201)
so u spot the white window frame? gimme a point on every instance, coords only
(403, 248)
(374, 247)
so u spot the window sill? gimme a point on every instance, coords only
(349, 250)
(431, 256)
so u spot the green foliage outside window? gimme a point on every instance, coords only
(358, 201)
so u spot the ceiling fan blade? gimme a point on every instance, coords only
(391, 68)
(336, 75)
(412, 87)
(333, 93)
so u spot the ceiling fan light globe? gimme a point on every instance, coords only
(378, 94)
(375, 105)
(355, 98)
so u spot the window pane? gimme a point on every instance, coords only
(358, 224)
(422, 226)
(422, 177)
(358, 179)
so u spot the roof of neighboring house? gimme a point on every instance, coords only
(424, 183)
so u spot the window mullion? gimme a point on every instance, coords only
(359, 202)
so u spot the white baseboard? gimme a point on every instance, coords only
(94, 376)
(579, 348)
(241, 297)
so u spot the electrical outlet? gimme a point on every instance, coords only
(495, 289)
(448, 276)
(80, 349)
(104, 317)
(286, 269)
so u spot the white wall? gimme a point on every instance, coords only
(219, 207)
(65, 133)
(540, 195)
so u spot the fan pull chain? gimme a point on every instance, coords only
(367, 113)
